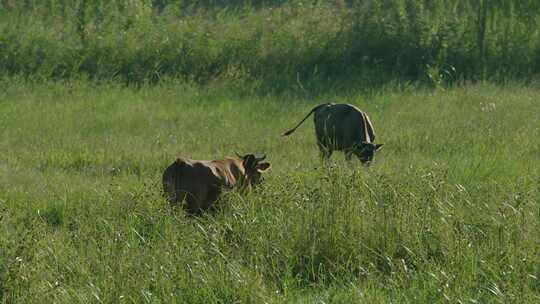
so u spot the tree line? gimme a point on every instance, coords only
(434, 41)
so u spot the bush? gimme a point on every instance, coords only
(281, 43)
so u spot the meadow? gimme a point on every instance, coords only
(98, 97)
(448, 212)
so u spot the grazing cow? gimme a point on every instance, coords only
(200, 182)
(345, 128)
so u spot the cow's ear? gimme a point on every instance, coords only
(378, 146)
(262, 167)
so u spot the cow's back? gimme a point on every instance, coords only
(339, 126)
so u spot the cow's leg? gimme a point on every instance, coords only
(348, 156)
(191, 205)
(193, 201)
(211, 197)
(324, 153)
(178, 197)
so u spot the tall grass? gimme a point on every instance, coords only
(275, 43)
(449, 211)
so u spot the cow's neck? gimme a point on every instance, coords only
(234, 176)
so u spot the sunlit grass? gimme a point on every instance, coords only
(448, 212)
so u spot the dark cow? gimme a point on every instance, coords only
(343, 127)
(200, 182)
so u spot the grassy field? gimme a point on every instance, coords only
(448, 212)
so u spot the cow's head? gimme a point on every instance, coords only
(253, 168)
(366, 151)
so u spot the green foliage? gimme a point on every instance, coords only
(281, 44)
(448, 212)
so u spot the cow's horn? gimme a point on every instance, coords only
(260, 158)
(240, 156)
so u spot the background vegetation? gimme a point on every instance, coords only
(449, 211)
(274, 43)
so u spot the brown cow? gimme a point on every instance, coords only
(200, 182)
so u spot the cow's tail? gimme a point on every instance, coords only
(171, 181)
(298, 125)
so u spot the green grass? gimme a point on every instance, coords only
(449, 211)
(279, 44)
